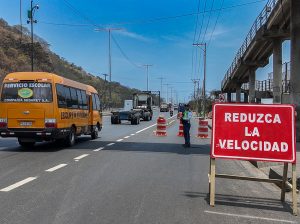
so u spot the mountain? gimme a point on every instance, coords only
(15, 56)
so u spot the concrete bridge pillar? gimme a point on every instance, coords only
(277, 70)
(252, 85)
(295, 60)
(238, 94)
(229, 97)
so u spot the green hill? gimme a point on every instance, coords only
(15, 56)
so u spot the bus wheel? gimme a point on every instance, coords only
(70, 139)
(95, 133)
(26, 144)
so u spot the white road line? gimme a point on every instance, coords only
(99, 149)
(127, 137)
(153, 125)
(110, 144)
(80, 157)
(171, 122)
(172, 117)
(249, 217)
(145, 128)
(18, 184)
(56, 167)
(119, 140)
(132, 134)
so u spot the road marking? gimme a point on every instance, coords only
(127, 137)
(99, 149)
(18, 184)
(56, 167)
(80, 157)
(119, 140)
(153, 125)
(110, 144)
(172, 117)
(145, 128)
(132, 134)
(171, 122)
(250, 217)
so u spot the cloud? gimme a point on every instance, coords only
(214, 34)
(133, 35)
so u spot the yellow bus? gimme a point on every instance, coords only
(40, 106)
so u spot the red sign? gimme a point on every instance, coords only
(254, 132)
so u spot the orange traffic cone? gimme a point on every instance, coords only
(161, 125)
(203, 129)
(180, 132)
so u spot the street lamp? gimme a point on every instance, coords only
(31, 20)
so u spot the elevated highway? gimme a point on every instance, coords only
(278, 21)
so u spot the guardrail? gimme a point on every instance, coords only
(267, 86)
(258, 23)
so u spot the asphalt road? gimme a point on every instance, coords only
(129, 175)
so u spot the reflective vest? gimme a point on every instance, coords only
(186, 115)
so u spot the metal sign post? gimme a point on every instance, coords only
(250, 138)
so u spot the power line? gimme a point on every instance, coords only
(123, 53)
(195, 69)
(212, 5)
(153, 20)
(202, 21)
(195, 32)
(77, 12)
(218, 16)
(196, 25)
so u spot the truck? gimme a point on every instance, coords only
(141, 109)
(164, 107)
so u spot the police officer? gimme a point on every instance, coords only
(186, 121)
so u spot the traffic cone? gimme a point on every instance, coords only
(203, 129)
(161, 125)
(180, 131)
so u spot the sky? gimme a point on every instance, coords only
(158, 33)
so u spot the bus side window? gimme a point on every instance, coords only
(79, 97)
(61, 99)
(68, 97)
(98, 102)
(74, 98)
(84, 100)
(94, 102)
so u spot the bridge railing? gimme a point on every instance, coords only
(258, 23)
(267, 86)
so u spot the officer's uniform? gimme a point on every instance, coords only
(186, 121)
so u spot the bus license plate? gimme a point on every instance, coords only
(26, 123)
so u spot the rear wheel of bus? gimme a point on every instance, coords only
(95, 132)
(25, 144)
(70, 139)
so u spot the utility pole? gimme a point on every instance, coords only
(167, 91)
(105, 86)
(161, 84)
(201, 45)
(171, 95)
(21, 23)
(109, 54)
(31, 20)
(147, 69)
(196, 91)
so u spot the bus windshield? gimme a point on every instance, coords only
(27, 92)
